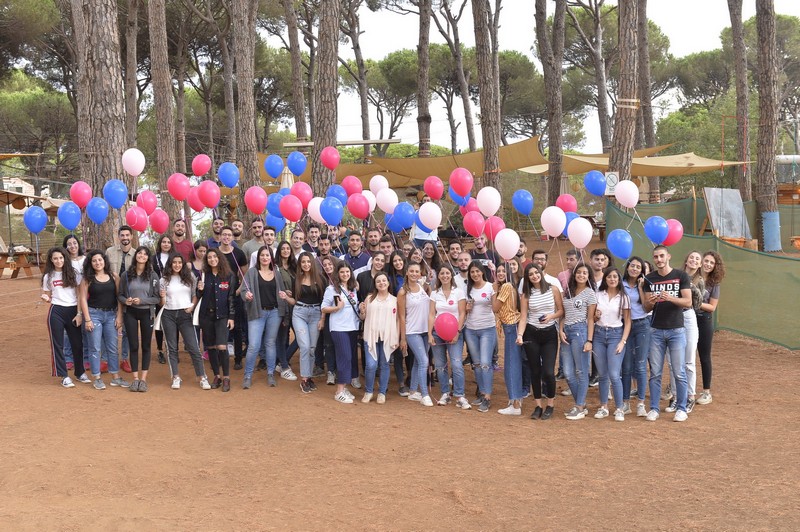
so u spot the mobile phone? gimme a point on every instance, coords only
(541, 318)
(336, 300)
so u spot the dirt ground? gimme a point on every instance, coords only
(273, 458)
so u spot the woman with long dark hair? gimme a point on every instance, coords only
(506, 307)
(161, 255)
(59, 288)
(413, 307)
(396, 269)
(381, 335)
(634, 363)
(329, 263)
(340, 301)
(139, 295)
(480, 331)
(576, 332)
(287, 269)
(450, 299)
(198, 261)
(216, 289)
(713, 272)
(76, 258)
(430, 261)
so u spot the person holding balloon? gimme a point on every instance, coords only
(340, 302)
(413, 307)
(448, 311)
(480, 331)
(506, 306)
(634, 363)
(215, 289)
(381, 335)
(120, 258)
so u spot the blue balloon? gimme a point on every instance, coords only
(392, 223)
(595, 182)
(284, 191)
(419, 223)
(278, 222)
(656, 229)
(273, 204)
(522, 200)
(620, 243)
(97, 210)
(35, 219)
(296, 162)
(116, 193)
(570, 216)
(459, 200)
(338, 192)
(274, 166)
(332, 210)
(228, 174)
(69, 215)
(404, 214)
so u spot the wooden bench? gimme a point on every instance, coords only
(15, 263)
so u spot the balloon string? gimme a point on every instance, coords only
(534, 228)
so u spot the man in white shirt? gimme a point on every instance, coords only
(462, 272)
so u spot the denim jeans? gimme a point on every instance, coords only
(576, 361)
(608, 361)
(481, 344)
(305, 321)
(671, 343)
(176, 322)
(262, 328)
(372, 368)
(692, 335)
(441, 353)
(635, 362)
(418, 344)
(103, 338)
(512, 363)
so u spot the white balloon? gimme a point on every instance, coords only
(627, 193)
(488, 201)
(371, 199)
(580, 232)
(554, 220)
(430, 215)
(386, 199)
(313, 210)
(378, 183)
(133, 162)
(506, 243)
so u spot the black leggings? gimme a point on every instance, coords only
(541, 347)
(705, 326)
(139, 321)
(59, 321)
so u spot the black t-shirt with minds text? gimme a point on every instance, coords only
(667, 315)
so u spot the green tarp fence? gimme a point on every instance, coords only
(760, 295)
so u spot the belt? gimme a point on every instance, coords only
(639, 319)
(301, 304)
(101, 308)
(268, 308)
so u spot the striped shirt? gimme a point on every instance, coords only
(540, 304)
(576, 307)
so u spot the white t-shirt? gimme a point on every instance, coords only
(59, 294)
(448, 305)
(611, 315)
(481, 316)
(417, 310)
(179, 296)
(78, 265)
(460, 282)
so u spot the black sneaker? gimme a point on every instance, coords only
(216, 383)
(689, 406)
(262, 365)
(548, 412)
(304, 387)
(161, 358)
(560, 376)
(311, 385)
(594, 381)
(318, 372)
(484, 406)
(478, 399)
(673, 406)
(237, 365)
(537, 413)
(404, 392)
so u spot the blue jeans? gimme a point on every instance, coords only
(635, 362)
(418, 344)
(692, 335)
(672, 343)
(103, 338)
(441, 353)
(512, 363)
(608, 361)
(305, 322)
(576, 361)
(264, 327)
(481, 344)
(372, 368)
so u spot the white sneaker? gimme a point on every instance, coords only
(176, 383)
(343, 398)
(288, 374)
(626, 407)
(566, 392)
(444, 400)
(381, 399)
(601, 413)
(463, 404)
(367, 397)
(278, 368)
(84, 379)
(510, 410)
(331, 378)
(641, 411)
(355, 383)
(349, 394)
(705, 398)
(204, 383)
(66, 382)
(416, 396)
(680, 415)
(576, 413)
(426, 401)
(652, 415)
(619, 415)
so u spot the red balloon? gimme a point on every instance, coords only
(291, 208)
(461, 181)
(471, 206)
(446, 326)
(80, 193)
(194, 199)
(675, 232)
(302, 191)
(352, 185)
(147, 201)
(473, 223)
(209, 193)
(358, 205)
(178, 186)
(255, 199)
(201, 164)
(567, 203)
(494, 225)
(136, 218)
(159, 221)
(330, 157)
(433, 187)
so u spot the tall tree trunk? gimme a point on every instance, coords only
(209, 117)
(489, 99)
(423, 77)
(131, 69)
(162, 101)
(230, 105)
(352, 28)
(325, 93)
(298, 94)
(244, 24)
(551, 51)
(646, 119)
(180, 100)
(742, 99)
(625, 122)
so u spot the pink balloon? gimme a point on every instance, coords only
(178, 186)
(494, 224)
(580, 232)
(201, 164)
(209, 193)
(352, 185)
(159, 221)
(433, 187)
(136, 218)
(553, 221)
(446, 326)
(471, 206)
(193, 198)
(133, 162)
(313, 210)
(461, 181)
(358, 206)
(255, 199)
(373, 202)
(291, 208)
(378, 183)
(507, 243)
(330, 157)
(147, 201)
(489, 201)
(567, 203)
(627, 193)
(675, 232)
(473, 223)
(303, 192)
(80, 193)
(430, 215)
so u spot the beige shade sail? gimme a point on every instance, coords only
(580, 164)
(663, 166)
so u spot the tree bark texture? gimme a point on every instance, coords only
(621, 155)
(131, 69)
(489, 99)
(230, 104)
(325, 93)
(742, 99)
(244, 24)
(766, 182)
(179, 94)
(298, 93)
(646, 101)
(352, 28)
(423, 77)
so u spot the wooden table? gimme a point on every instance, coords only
(19, 261)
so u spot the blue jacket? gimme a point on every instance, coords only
(216, 297)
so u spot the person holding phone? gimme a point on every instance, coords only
(216, 289)
(340, 302)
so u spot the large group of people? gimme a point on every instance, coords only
(356, 306)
